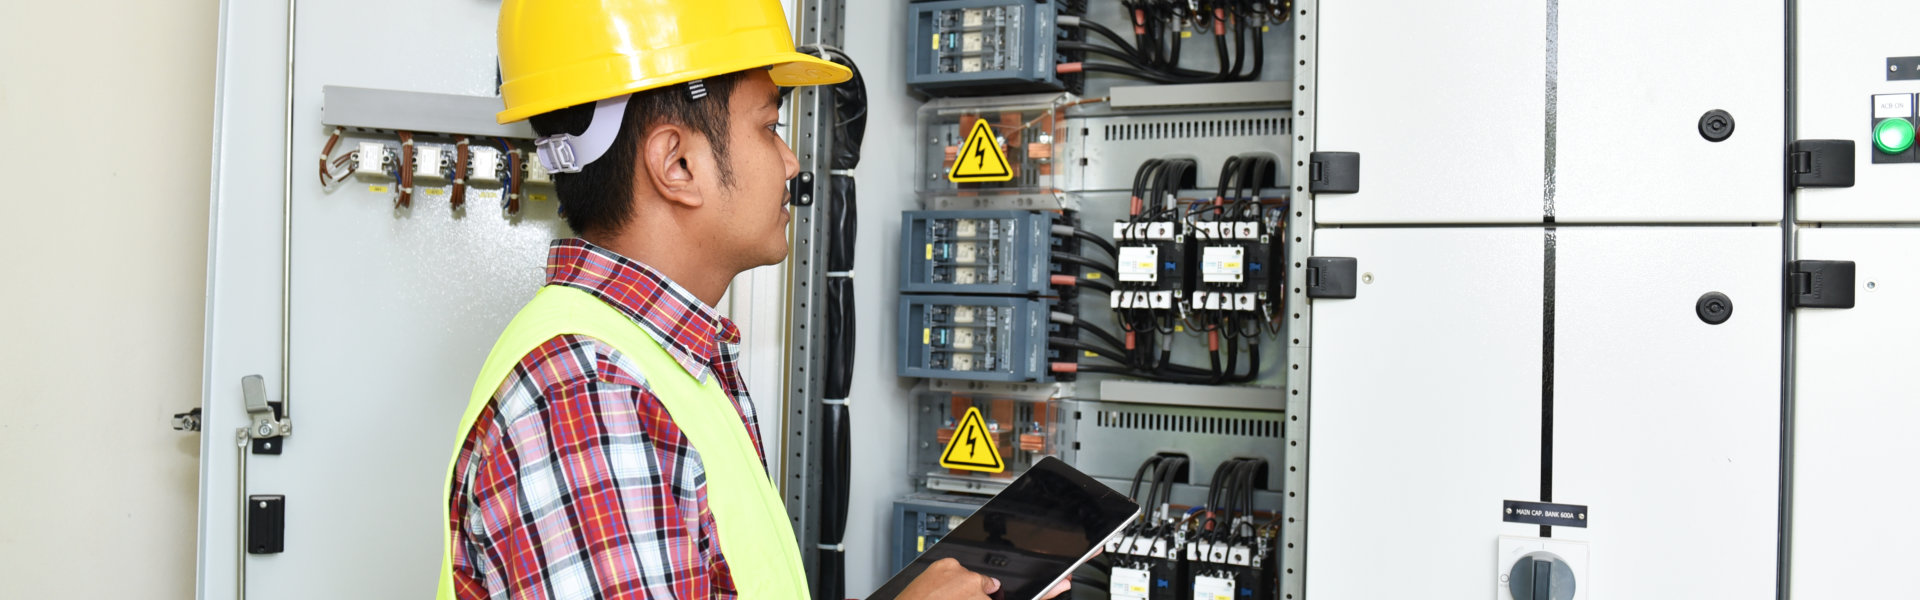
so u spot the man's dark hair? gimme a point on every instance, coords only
(599, 199)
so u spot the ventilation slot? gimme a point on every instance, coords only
(1120, 419)
(1198, 128)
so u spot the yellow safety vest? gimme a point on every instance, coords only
(755, 536)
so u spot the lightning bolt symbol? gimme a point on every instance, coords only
(970, 439)
(980, 152)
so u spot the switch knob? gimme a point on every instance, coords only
(1540, 576)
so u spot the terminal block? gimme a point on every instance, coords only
(975, 252)
(984, 338)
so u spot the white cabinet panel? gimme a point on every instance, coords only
(1665, 426)
(1445, 102)
(1426, 410)
(1841, 55)
(1855, 452)
(1634, 83)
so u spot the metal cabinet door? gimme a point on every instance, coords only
(391, 312)
(1665, 426)
(1445, 102)
(1841, 57)
(1855, 406)
(1634, 83)
(1426, 411)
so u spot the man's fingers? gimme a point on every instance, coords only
(1061, 588)
(989, 585)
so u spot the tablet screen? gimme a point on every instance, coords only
(1031, 534)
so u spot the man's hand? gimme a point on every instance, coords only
(945, 579)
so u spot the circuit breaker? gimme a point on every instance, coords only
(974, 47)
(976, 252)
(987, 338)
(920, 521)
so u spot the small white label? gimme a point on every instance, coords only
(1223, 264)
(966, 252)
(1892, 106)
(963, 314)
(973, 17)
(966, 228)
(1137, 264)
(965, 276)
(971, 65)
(963, 362)
(1128, 583)
(1212, 588)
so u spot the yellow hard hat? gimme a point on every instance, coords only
(559, 53)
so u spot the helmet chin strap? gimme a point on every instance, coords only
(568, 153)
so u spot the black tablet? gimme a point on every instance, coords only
(1031, 535)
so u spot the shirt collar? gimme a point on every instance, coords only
(687, 328)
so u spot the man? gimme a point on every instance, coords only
(609, 449)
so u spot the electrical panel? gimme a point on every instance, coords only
(986, 338)
(975, 252)
(1025, 429)
(974, 47)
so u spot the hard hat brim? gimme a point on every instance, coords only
(788, 69)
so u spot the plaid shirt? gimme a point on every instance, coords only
(574, 482)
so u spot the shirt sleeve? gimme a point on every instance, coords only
(590, 490)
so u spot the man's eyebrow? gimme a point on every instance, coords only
(773, 100)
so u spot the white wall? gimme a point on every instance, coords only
(107, 108)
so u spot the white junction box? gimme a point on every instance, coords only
(370, 163)
(485, 166)
(1524, 561)
(430, 164)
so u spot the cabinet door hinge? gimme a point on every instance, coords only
(1333, 173)
(1821, 163)
(1332, 277)
(1821, 283)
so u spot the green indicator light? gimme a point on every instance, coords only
(1893, 136)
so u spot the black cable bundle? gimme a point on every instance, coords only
(1159, 28)
(836, 438)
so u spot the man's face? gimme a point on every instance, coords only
(753, 216)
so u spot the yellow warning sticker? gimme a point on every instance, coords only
(981, 159)
(926, 336)
(435, 191)
(538, 197)
(972, 448)
(936, 41)
(378, 189)
(923, 544)
(929, 251)
(1093, 275)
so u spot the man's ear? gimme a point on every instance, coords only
(666, 155)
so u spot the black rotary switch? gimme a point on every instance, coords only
(1540, 576)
